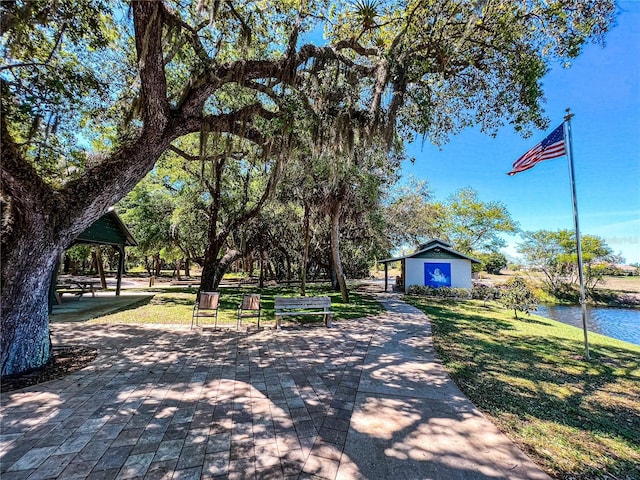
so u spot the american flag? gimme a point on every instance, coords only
(551, 147)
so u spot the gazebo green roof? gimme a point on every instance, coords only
(107, 230)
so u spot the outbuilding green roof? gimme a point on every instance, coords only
(433, 249)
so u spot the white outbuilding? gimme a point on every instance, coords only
(435, 264)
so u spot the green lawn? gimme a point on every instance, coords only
(576, 419)
(175, 305)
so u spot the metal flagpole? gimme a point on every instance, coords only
(583, 303)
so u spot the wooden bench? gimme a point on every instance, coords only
(294, 306)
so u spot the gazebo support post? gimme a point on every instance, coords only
(386, 275)
(120, 269)
(99, 266)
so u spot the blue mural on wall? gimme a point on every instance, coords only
(437, 274)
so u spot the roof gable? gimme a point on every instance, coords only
(431, 243)
(435, 248)
(107, 230)
(440, 249)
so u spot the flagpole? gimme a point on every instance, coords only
(583, 303)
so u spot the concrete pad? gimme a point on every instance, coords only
(410, 420)
(410, 438)
(85, 308)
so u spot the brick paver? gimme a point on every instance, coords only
(175, 403)
(171, 403)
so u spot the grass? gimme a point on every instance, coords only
(576, 419)
(175, 305)
(622, 284)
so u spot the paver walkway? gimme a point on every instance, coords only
(366, 399)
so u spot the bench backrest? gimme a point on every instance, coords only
(208, 300)
(250, 301)
(302, 302)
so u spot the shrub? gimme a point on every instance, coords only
(480, 291)
(421, 290)
(440, 292)
(462, 293)
(517, 296)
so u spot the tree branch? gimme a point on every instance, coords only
(237, 123)
(352, 44)
(245, 72)
(147, 21)
(22, 187)
(192, 37)
(268, 191)
(183, 154)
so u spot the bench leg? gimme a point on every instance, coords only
(278, 322)
(327, 320)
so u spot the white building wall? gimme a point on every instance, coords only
(460, 271)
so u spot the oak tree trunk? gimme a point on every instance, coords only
(27, 271)
(335, 249)
(187, 267)
(305, 251)
(38, 224)
(261, 268)
(214, 269)
(178, 267)
(157, 265)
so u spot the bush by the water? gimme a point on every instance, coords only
(517, 296)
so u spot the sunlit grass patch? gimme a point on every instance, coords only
(175, 306)
(576, 418)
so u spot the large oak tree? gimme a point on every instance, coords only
(93, 92)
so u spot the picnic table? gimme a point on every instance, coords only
(76, 287)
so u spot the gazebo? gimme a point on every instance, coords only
(107, 230)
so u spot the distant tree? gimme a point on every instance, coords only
(352, 186)
(411, 214)
(472, 224)
(554, 253)
(77, 258)
(238, 184)
(147, 211)
(595, 253)
(517, 296)
(494, 262)
(274, 238)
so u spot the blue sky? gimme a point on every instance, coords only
(602, 88)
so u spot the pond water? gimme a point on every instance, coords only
(620, 323)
